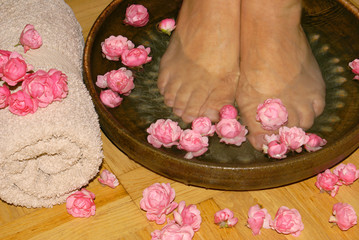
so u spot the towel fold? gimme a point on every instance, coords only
(47, 155)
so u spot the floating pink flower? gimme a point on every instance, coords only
(354, 65)
(314, 143)
(173, 231)
(113, 47)
(258, 218)
(4, 96)
(228, 112)
(272, 114)
(108, 178)
(110, 98)
(194, 143)
(167, 25)
(136, 15)
(22, 104)
(231, 131)
(164, 133)
(276, 149)
(188, 215)
(225, 218)
(136, 57)
(120, 81)
(15, 69)
(344, 216)
(293, 137)
(30, 38)
(347, 173)
(4, 58)
(101, 81)
(80, 204)
(203, 126)
(288, 221)
(157, 201)
(327, 181)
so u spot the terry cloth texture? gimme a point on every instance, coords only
(46, 156)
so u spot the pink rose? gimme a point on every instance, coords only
(164, 133)
(314, 143)
(30, 38)
(22, 104)
(167, 25)
(157, 201)
(59, 86)
(231, 131)
(136, 56)
(4, 58)
(110, 98)
(203, 126)
(347, 174)
(172, 231)
(101, 81)
(225, 218)
(194, 143)
(38, 85)
(81, 204)
(344, 216)
(188, 215)
(258, 218)
(113, 47)
(120, 81)
(354, 65)
(136, 15)
(4, 96)
(15, 69)
(272, 114)
(228, 112)
(276, 149)
(288, 221)
(294, 137)
(327, 181)
(108, 178)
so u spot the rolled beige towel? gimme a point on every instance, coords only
(47, 155)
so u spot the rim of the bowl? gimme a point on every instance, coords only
(335, 149)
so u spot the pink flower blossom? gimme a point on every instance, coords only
(136, 57)
(347, 174)
(203, 126)
(288, 221)
(101, 81)
(354, 65)
(59, 86)
(231, 131)
(80, 204)
(15, 69)
(136, 15)
(276, 149)
(108, 178)
(258, 218)
(172, 231)
(22, 104)
(167, 25)
(188, 215)
(30, 38)
(113, 47)
(327, 181)
(194, 143)
(344, 216)
(225, 218)
(272, 114)
(228, 112)
(314, 143)
(164, 133)
(4, 58)
(4, 96)
(110, 98)
(293, 137)
(120, 81)
(157, 201)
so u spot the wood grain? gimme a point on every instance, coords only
(119, 216)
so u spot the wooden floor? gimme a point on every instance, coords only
(119, 216)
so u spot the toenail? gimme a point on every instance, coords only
(178, 112)
(169, 103)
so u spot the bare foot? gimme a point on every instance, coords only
(200, 69)
(277, 62)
